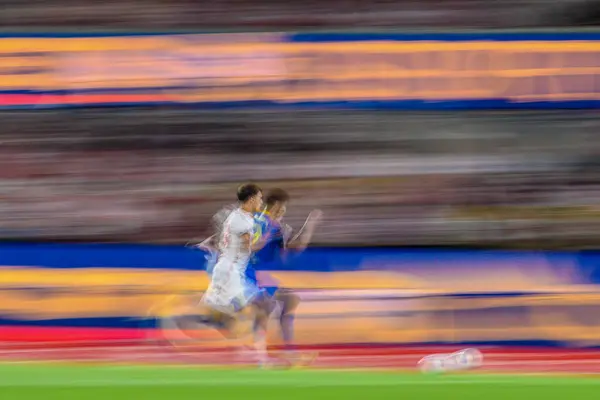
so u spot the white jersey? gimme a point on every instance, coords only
(232, 247)
(212, 244)
(229, 289)
(218, 220)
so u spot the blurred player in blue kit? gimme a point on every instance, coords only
(269, 227)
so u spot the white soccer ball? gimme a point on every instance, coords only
(433, 364)
(462, 360)
(468, 359)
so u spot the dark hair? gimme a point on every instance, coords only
(277, 196)
(247, 191)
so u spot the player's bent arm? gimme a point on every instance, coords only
(246, 241)
(259, 244)
(252, 247)
(302, 239)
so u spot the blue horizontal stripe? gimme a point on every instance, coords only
(412, 345)
(104, 322)
(495, 295)
(443, 37)
(418, 105)
(500, 342)
(313, 259)
(101, 256)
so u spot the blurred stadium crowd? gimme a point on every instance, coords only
(276, 14)
(381, 177)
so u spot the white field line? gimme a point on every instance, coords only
(157, 352)
(282, 381)
(152, 350)
(535, 366)
(397, 361)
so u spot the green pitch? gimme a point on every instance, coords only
(60, 382)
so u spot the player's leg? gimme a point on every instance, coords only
(267, 306)
(216, 310)
(262, 304)
(225, 323)
(201, 314)
(205, 316)
(193, 323)
(262, 307)
(289, 302)
(228, 300)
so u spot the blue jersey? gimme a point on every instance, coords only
(271, 251)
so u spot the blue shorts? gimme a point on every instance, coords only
(251, 277)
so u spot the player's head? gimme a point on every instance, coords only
(250, 195)
(276, 202)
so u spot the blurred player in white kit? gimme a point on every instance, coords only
(276, 241)
(230, 292)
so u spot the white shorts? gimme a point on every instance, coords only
(229, 291)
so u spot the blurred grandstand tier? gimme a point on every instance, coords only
(575, 13)
(244, 14)
(381, 177)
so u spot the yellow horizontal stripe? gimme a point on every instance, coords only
(103, 277)
(384, 70)
(102, 304)
(165, 43)
(177, 281)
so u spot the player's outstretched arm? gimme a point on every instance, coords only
(207, 244)
(304, 236)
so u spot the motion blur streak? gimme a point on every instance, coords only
(447, 151)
